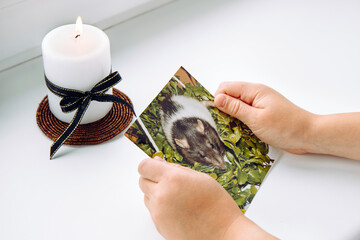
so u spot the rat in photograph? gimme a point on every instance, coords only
(191, 130)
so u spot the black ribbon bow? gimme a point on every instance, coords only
(75, 99)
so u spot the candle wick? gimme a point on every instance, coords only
(77, 36)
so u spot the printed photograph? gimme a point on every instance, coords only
(182, 126)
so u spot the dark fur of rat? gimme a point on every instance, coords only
(191, 130)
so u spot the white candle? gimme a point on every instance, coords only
(77, 58)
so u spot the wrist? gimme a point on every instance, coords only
(309, 133)
(316, 139)
(335, 134)
(244, 228)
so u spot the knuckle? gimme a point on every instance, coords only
(142, 165)
(257, 118)
(261, 118)
(260, 86)
(223, 86)
(235, 107)
(140, 182)
(162, 197)
(142, 185)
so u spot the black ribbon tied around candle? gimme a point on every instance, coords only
(75, 99)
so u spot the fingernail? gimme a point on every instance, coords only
(220, 100)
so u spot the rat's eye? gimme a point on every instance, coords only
(212, 146)
(202, 155)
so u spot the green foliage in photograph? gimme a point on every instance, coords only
(248, 160)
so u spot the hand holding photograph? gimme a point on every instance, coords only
(182, 126)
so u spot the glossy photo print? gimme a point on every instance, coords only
(182, 126)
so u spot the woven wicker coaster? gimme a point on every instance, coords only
(97, 132)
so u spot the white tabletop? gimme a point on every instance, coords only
(307, 50)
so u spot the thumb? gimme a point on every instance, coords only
(235, 107)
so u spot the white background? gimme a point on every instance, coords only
(307, 50)
(23, 23)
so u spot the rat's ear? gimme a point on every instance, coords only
(200, 127)
(183, 143)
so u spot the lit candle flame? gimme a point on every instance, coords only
(78, 27)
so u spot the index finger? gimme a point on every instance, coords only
(152, 169)
(245, 91)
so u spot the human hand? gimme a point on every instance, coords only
(185, 204)
(273, 118)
